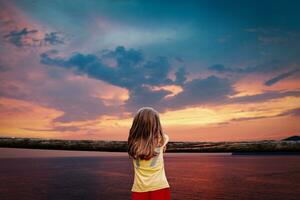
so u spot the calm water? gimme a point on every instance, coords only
(46, 174)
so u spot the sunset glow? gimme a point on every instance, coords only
(82, 73)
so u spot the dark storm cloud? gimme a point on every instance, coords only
(280, 77)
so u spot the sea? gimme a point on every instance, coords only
(27, 174)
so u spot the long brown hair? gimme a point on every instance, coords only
(145, 134)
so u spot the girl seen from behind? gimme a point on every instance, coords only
(146, 145)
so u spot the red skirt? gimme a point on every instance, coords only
(161, 194)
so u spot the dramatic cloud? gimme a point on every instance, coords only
(131, 70)
(65, 71)
(137, 75)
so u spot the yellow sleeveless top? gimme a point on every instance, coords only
(150, 174)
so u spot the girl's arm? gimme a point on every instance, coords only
(166, 141)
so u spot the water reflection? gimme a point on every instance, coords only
(110, 176)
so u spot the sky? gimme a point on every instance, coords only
(214, 70)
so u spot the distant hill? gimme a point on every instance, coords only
(292, 138)
(121, 146)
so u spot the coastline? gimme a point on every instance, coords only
(237, 148)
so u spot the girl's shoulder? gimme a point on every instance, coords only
(166, 136)
(166, 140)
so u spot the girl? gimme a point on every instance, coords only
(146, 145)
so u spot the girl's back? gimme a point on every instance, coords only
(146, 145)
(150, 174)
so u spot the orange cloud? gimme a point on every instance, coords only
(224, 113)
(187, 123)
(18, 116)
(252, 84)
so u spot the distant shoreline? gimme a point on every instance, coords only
(237, 148)
(265, 153)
